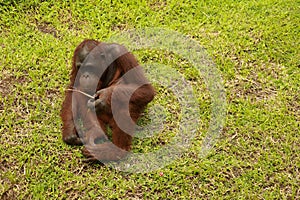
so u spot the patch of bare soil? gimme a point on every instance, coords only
(47, 29)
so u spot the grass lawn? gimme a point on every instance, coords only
(255, 48)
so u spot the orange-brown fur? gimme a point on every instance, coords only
(97, 129)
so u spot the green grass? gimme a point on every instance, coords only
(255, 45)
